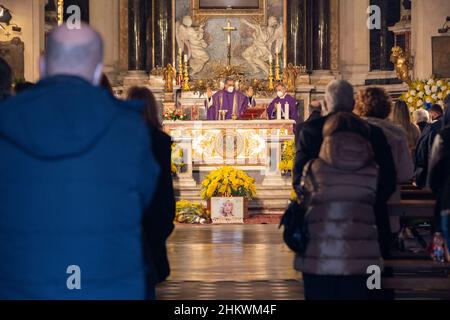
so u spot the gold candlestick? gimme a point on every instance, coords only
(277, 67)
(60, 12)
(271, 84)
(180, 68)
(186, 86)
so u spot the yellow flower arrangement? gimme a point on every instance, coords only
(286, 164)
(228, 182)
(191, 212)
(426, 92)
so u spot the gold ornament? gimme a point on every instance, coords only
(402, 64)
(186, 86)
(271, 85)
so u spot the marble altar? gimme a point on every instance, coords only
(252, 145)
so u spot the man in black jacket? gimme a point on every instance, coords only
(309, 137)
(424, 145)
(439, 173)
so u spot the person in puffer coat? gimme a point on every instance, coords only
(341, 188)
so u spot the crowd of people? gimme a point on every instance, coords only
(350, 163)
(86, 180)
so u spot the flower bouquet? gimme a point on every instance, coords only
(286, 164)
(191, 212)
(228, 182)
(423, 93)
(174, 115)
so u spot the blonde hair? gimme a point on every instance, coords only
(400, 116)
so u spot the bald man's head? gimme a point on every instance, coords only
(77, 52)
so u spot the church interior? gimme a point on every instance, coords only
(232, 80)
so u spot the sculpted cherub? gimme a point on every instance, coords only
(401, 63)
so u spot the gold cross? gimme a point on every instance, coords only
(228, 28)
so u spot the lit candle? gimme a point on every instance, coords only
(270, 59)
(185, 58)
(286, 111)
(279, 117)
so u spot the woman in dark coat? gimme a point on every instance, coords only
(158, 219)
(341, 185)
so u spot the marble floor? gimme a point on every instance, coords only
(230, 262)
(238, 262)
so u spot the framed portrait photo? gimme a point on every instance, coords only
(227, 210)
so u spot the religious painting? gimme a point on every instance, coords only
(229, 37)
(202, 9)
(441, 54)
(229, 4)
(227, 210)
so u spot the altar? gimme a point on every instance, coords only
(251, 145)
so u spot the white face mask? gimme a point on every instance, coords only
(230, 89)
(280, 94)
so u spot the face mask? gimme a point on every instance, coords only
(230, 89)
(280, 94)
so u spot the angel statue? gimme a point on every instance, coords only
(190, 40)
(264, 37)
(402, 64)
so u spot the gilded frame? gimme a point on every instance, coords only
(259, 15)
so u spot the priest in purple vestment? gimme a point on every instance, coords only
(282, 98)
(229, 99)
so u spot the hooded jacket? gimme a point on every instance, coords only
(342, 187)
(76, 173)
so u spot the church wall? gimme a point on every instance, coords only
(427, 17)
(29, 15)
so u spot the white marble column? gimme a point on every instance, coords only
(354, 41)
(104, 17)
(272, 173)
(185, 178)
(426, 18)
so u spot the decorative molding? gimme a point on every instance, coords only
(259, 15)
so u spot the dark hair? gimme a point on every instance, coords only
(345, 122)
(373, 102)
(447, 111)
(436, 108)
(447, 101)
(151, 106)
(22, 86)
(5, 79)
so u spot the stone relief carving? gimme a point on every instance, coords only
(191, 40)
(262, 48)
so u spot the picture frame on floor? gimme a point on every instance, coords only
(227, 210)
